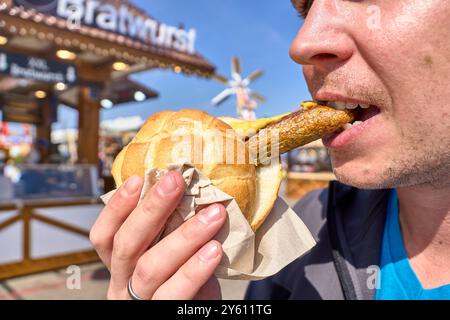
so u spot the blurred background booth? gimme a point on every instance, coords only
(68, 53)
(307, 168)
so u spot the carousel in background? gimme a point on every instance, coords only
(246, 103)
(305, 168)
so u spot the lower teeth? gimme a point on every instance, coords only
(351, 125)
(347, 126)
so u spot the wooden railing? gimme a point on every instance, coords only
(26, 213)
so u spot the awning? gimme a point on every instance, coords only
(145, 44)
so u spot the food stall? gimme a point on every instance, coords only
(308, 168)
(79, 54)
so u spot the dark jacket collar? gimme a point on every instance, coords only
(356, 221)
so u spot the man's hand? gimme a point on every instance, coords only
(180, 266)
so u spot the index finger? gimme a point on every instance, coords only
(144, 224)
(112, 217)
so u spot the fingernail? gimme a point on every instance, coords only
(210, 214)
(167, 185)
(132, 185)
(209, 252)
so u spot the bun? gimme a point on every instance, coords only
(201, 139)
(231, 152)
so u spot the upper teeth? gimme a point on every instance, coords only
(340, 105)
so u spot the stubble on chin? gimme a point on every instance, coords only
(427, 170)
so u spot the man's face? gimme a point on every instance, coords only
(395, 57)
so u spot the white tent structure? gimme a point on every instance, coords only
(122, 124)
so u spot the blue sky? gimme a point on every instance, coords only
(258, 31)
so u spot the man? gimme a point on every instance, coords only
(388, 239)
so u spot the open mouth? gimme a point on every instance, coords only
(361, 112)
(363, 116)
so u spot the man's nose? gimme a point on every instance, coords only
(323, 40)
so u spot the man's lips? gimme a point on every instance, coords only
(363, 99)
(364, 108)
(363, 119)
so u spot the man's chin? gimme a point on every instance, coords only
(353, 181)
(358, 176)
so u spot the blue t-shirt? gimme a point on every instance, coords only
(397, 280)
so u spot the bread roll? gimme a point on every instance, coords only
(212, 147)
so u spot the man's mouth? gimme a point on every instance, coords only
(364, 114)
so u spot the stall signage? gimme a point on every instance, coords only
(22, 112)
(118, 19)
(22, 66)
